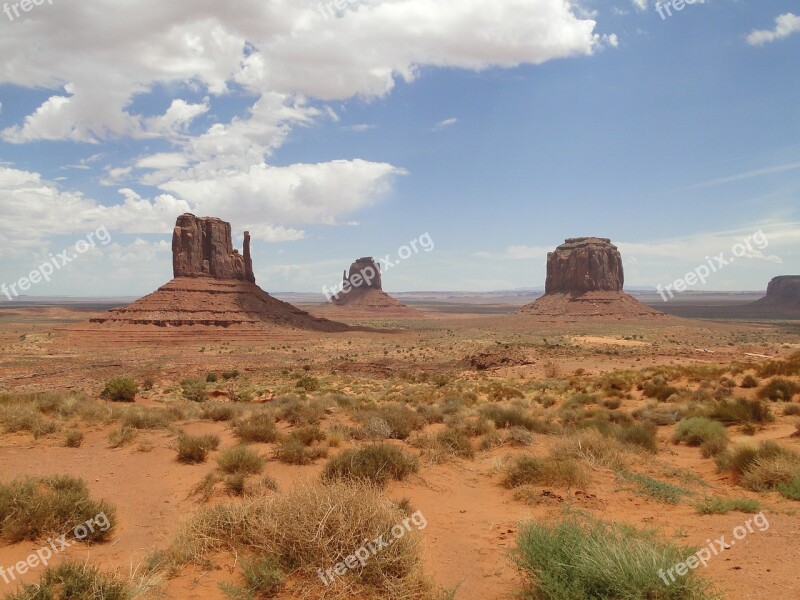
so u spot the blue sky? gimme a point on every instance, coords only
(498, 127)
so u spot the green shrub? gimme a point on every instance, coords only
(215, 411)
(573, 560)
(121, 435)
(779, 390)
(194, 390)
(194, 449)
(456, 443)
(659, 390)
(241, 459)
(527, 469)
(740, 411)
(699, 431)
(790, 489)
(120, 389)
(643, 436)
(376, 463)
(262, 575)
(226, 375)
(294, 452)
(505, 418)
(309, 384)
(748, 382)
(211, 378)
(36, 507)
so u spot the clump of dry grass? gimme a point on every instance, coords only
(374, 463)
(311, 527)
(592, 447)
(528, 470)
(445, 445)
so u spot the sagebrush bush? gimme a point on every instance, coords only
(740, 411)
(120, 389)
(376, 463)
(700, 431)
(194, 390)
(36, 507)
(779, 390)
(77, 581)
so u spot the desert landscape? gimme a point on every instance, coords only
(399, 300)
(239, 447)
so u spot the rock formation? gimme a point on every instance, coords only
(585, 279)
(202, 247)
(783, 292)
(583, 265)
(361, 293)
(213, 286)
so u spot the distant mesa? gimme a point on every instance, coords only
(585, 279)
(361, 291)
(213, 286)
(783, 292)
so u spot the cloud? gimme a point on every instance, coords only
(746, 175)
(446, 123)
(785, 25)
(640, 4)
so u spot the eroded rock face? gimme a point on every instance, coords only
(583, 265)
(202, 247)
(364, 273)
(785, 287)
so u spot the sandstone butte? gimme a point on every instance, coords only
(361, 293)
(783, 292)
(213, 285)
(585, 278)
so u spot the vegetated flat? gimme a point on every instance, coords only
(508, 384)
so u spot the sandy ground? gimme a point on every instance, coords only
(472, 519)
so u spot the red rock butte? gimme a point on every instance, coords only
(213, 286)
(783, 292)
(585, 278)
(362, 292)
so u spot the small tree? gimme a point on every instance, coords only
(120, 389)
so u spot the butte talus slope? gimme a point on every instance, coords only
(213, 286)
(585, 279)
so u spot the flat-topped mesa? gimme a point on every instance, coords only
(202, 247)
(586, 264)
(785, 287)
(364, 273)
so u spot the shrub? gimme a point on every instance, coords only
(519, 436)
(453, 442)
(195, 448)
(527, 469)
(214, 411)
(241, 459)
(697, 431)
(767, 473)
(74, 581)
(262, 575)
(309, 384)
(194, 390)
(73, 438)
(297, 411)
(658, 415)
(790, 489)
(259, 427)
(341, 516)
(573, 560)
(120, 389)
(400, 420)
(226, 375)
(791, 410)
(778, 389)
(790, 366)
(740, 411)
(714, 505)
(36, 507)
(748, 381)
(659, 390)
(292, 451)
(121, 436)
(376, 463)
(637, 435)
(505, 418)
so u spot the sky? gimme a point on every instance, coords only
(346, 128)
